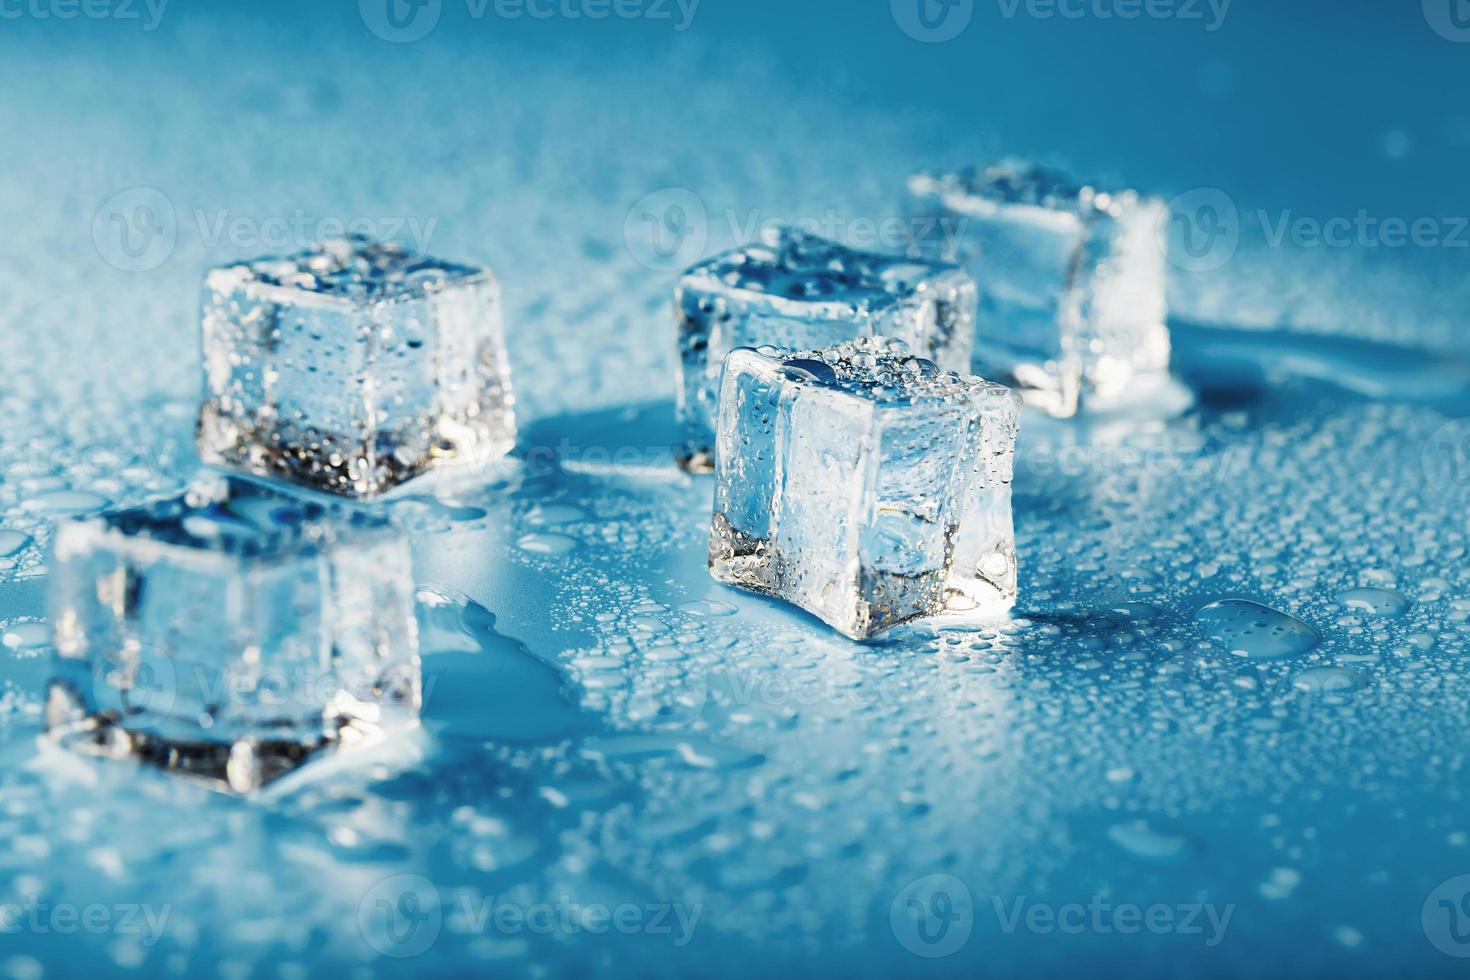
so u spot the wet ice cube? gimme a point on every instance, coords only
(864, 485)
(231, 632)
(353, 367)
(797, 291)
(1071, 279)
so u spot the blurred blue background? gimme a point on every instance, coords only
(614, 730)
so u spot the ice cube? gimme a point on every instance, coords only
(353, 367)
(794, 291)
(864, 485)
(1071, 279)
(231, 632)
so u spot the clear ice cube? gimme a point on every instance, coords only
(1072, 279)
(864, 485)
(231, 632)
(353, 367)
(796, 291)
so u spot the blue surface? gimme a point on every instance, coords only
(607, 728)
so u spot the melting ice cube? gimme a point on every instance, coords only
(1071, 279)
(231, 632)
(353, 367)
(864, 485)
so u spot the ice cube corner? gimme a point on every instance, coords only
(353, 367)
(1071, 280)
(795, 290)
(864, 485)
(231, 633)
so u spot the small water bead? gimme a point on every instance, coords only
(12, 542)
(708, 608)
(546, 544)
(1375, 602)
(1141, 840)
(26, 636)
(69, 502)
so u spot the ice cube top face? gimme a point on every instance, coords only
(231, 632)
(1071, 279)
(796, 291)
(353, 367)
(864, 485)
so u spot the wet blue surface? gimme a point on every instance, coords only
(1221, 736)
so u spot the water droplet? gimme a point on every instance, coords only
(11, 542)
(1375, 602)
(1249, 629)
(546, 544)
(69, 502)
(481, 684)
(1141, 840)
(708, 608)
(27, 636)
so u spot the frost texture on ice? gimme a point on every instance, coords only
(798, 291)
(230, 632)
(864, 485)
(353, 367)
(1072, 279)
